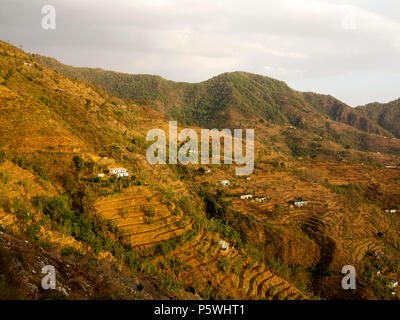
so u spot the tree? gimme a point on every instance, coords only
(78, 163)
(2, 157)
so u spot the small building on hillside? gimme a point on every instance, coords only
(28, 64)
(224, 183)
(202, 170)
(246, 196)
(223, 245)
(261, 199)
(391, 210)
(100, 175)
(300, 203)
(377, 272)
(393, 283)
(122, 174)
(119, 172)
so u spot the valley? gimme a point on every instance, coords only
(324, 192)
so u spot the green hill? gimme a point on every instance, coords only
(240, 99)
(340, 112)
(387, 115)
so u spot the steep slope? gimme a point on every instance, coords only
(167, 221)
(340, 112)
(61, 114)
(57, 134)
(387, 115)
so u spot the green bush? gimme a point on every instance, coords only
(71, 251)
(4, 177)
(148, 211)
(2, 157)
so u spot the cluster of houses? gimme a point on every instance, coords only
(392, 210)
(248, 196)
(300, 203)
(119, 172)
(28, 64)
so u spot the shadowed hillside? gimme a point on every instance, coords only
(387, 115)
(339, 111)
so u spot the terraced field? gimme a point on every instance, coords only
(359, 248)
(143, 216)
(233, 273)
(17, 183)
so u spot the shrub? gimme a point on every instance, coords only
(4, 177)
(148, 211)
(33, 231)
(122, 212)
(2, 157)
(71, 251)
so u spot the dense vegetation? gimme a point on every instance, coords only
(387, 115)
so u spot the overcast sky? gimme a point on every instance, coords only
(349, 49)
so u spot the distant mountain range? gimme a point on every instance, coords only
(237, 99)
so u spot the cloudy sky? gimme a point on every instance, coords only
(349, 49)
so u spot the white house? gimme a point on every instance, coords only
(119, 172)
(28, 64)
(100, 175)
(246, 196)
(393, 283)
(223, 245)
(261, 199)
(224, 182)
(122, 174)
(300, 203)
(391, 210)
